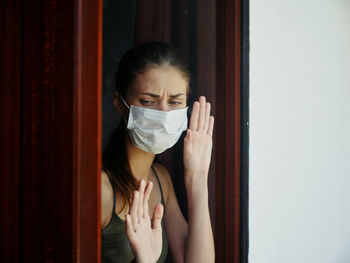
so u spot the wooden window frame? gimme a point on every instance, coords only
(227, 69)
(64, 224)
(51, 105)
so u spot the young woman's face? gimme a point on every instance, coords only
(160, 88)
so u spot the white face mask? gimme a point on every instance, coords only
(153, 130)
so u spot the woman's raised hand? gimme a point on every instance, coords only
(145, 240)
(198, 140)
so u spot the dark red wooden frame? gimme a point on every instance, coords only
(88, 131)
(51, 111)
(228, 146)
(10, 100)
(51, 55)
(219, 66)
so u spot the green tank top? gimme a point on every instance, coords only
(115, 244)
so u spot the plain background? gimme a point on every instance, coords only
(299, 131)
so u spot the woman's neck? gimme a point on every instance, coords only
(140, 161)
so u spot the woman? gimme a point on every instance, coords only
(151, 96)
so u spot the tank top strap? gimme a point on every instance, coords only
(160, 186)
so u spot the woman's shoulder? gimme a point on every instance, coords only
(106, 198)
(105, 182)
(106, 189)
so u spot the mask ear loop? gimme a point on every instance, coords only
(124, 118)
(124, 101)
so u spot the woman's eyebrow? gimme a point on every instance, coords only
(150, 94)
(176, 95)
(157, 96)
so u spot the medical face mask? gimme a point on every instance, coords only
(153, 130)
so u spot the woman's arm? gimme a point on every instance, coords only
(199, 243)
(197, 156)
(193, 242)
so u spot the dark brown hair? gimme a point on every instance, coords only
(135, 61)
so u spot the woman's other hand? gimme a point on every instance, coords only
(145, 240)
(198, 141)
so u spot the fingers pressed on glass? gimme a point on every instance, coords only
(207, 116)
(141, 195)
(157, 216)
(201, 118)
(134, 209)
(146, 198)
(211, 126)
(130, 231)
(194, 116)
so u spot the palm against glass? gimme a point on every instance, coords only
(198, 140)
(146, 241)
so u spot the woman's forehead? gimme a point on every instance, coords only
(158, 80)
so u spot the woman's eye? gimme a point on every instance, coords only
(175, 102)
(147, 102)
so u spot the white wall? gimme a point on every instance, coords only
(299, 131)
